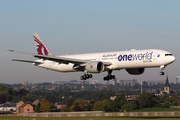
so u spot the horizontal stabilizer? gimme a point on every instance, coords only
(21, 52)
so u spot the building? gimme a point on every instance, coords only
(166, 90)
(130, 98)
(114, 81)
(62, 104)
(94, 82)
(26, 108)
(177, 79)
(166, 87)
(53, 82)
(71, 82)
(26, 83)
(155, 82)
(8, 106)
(18, 105)
(36, 102)
(112, 98)
(128, 83)
(107, 83)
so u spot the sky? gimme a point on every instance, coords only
(81, 26)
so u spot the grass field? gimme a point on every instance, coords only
(87, 118)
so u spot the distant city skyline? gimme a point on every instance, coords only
(113, 82)
(74, 27)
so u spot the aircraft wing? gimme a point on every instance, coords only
(58, 59)
(27, 61)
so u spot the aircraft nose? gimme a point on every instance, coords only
(173, 58)
(170, 59)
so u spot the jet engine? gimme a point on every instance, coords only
(135, 71)
(94, 67)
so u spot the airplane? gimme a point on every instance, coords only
(133, 61)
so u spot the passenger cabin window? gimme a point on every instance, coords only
(168, 54)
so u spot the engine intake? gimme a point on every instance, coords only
(135, 71)
(94, 67)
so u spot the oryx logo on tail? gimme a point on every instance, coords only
(41, 48)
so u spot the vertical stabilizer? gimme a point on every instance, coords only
(41, 48)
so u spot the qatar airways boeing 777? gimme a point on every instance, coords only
(134, 61)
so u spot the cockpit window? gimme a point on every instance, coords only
(168, 54)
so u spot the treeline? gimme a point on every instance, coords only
(8, 94)
(120, 103)
(77, 101)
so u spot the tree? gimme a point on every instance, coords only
(91, 105)
(38, 107)
(145, 101)
(9, 97)
(64, 109)
(176, 97)
(166, 104)
(169, 101)
(31, 97)
(106, 105)
(51, 99)
(23, 92)
(44, 105)
(80, 102)
(9, 93)
(3, 89)
(129, 107)
(24, 98)
(78, 105)
(118, 102)
(16, 98)
(78, 108)
(71, 108)
(98, 106)
(102, 106)
(2, 98)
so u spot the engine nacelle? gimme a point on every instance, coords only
(94, 67)
(135, 71)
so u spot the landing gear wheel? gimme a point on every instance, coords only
(161, 73)
(86, 76)
(162, 69)
(113, 76)
(82, 78)
(105, 78)
(109, 76)
(90, 75)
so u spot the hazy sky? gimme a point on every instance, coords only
(81, 26)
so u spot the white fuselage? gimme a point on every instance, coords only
(119, 59)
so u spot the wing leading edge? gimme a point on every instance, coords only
(27, 61)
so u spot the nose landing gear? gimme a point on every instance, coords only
(162, 69)
(161, 73)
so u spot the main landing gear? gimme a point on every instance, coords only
(86, 76)
(109, 76)
(162, 69)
